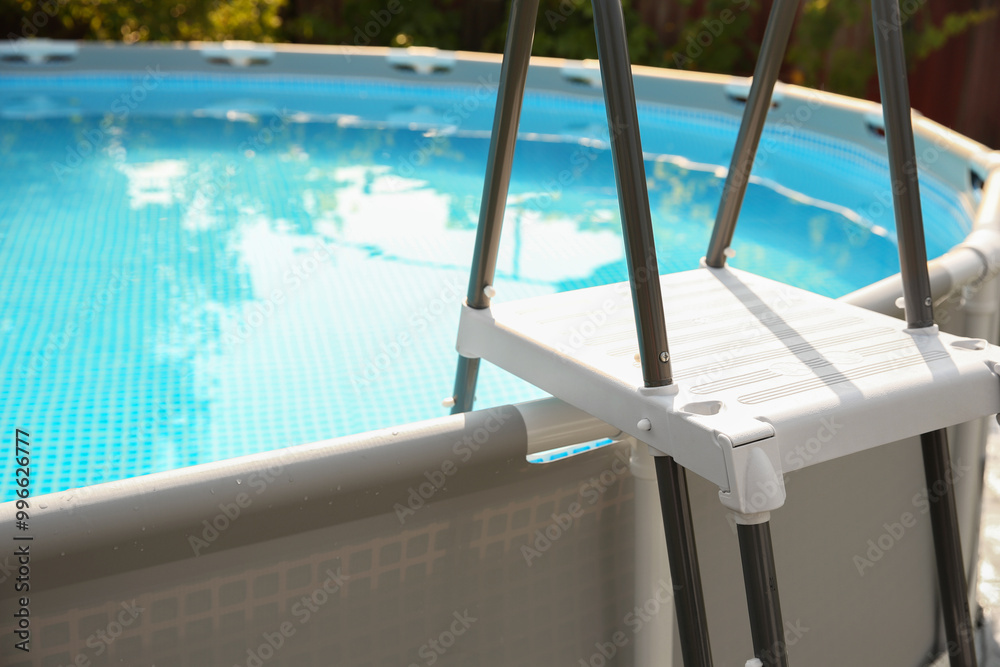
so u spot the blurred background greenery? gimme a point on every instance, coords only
(953, 46)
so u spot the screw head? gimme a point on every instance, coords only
(928, 301)
(664, 357)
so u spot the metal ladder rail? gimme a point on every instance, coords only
(506, 119)
(754, 533)
(644, 280)
(647, 303)
(952, 583)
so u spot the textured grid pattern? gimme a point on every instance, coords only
(202, 615)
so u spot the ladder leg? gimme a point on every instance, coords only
(506, 119)
(772, 52)
(466, 377)
(760, 579)
(684, 570)
(952, 582)
(647, 301)
(920, 314)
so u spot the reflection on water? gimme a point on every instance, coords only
(291, 281)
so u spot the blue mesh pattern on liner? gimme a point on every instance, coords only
(179, 289)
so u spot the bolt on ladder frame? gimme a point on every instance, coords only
(616, 73)
(755, 541)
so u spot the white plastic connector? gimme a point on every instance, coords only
(421, 59)
(238, 53)
(932, 330)
(38, 51)
(587, 72)
(489, 291)
(738, 90)
(448, 402)
(758, 486)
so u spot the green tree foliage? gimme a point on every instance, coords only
(825, 50)
(381, 23)
(718, 41)
(832, 46)
(566, 30)
(150, 20)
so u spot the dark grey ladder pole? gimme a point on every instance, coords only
(685, 574)
(513, 73)
(772, 52)
(633, 199)
(759, 575)
(761, 582)
(920, 313)
(640, 251)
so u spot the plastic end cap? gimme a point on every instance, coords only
(448, 402)
(489, 291)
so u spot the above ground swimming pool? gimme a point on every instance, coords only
(213, 252)
(198, 266)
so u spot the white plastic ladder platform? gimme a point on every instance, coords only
(759, 368)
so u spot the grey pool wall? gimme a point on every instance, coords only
(335, 561)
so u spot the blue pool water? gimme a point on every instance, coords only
(227, 266)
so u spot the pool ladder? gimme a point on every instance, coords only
(760, 577)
